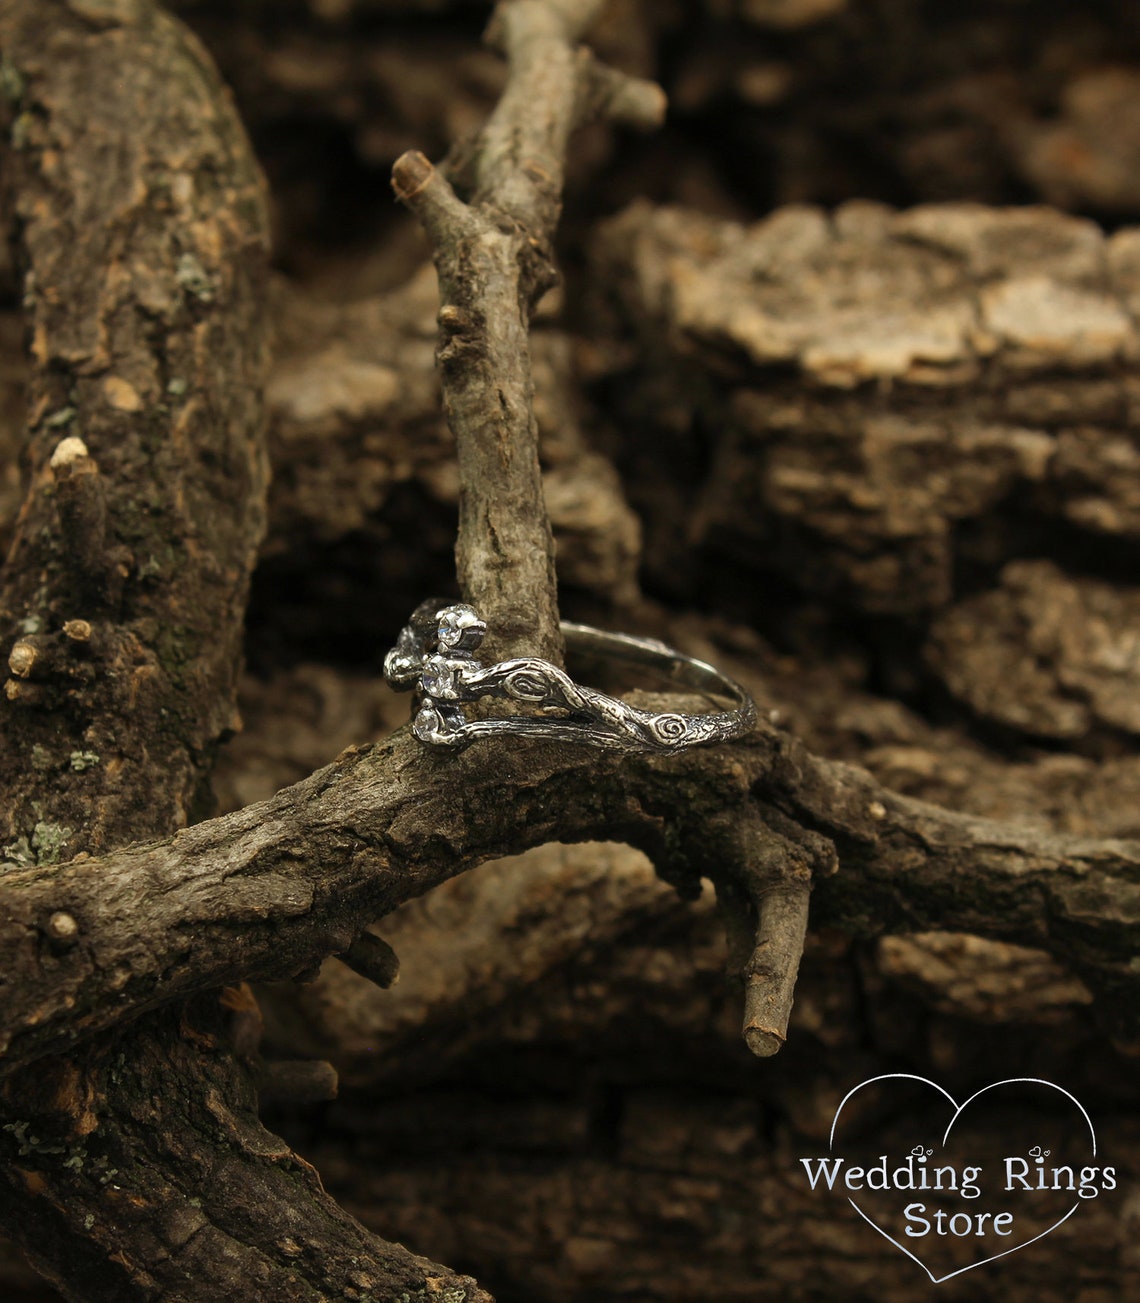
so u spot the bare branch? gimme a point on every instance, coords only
(609, 93)
(494, 261)
(775, 962)
(273, 889)
(297, 1081)
(520, 155)
(768, 864)
(427, 192)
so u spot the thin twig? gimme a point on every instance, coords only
(770, 976)
(494, 259)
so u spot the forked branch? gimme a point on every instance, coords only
(494, 258)
(93, 942)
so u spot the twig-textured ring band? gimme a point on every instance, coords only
(435, 655)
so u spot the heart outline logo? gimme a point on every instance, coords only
(958, 1110)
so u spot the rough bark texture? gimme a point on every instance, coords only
(299, 882)
(885, 461)
(126, 581)
(137, 1168)
(561, 1043)
(894, 381)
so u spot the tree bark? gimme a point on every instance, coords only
(137, 1167)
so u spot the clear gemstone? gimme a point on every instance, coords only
(427, 723)
(450, 626)
(459, 626)
(438, 678)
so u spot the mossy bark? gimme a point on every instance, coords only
(135, 1167)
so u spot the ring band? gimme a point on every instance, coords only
(434, 654)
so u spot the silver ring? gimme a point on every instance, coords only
(434, 655)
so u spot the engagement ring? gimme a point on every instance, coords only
(434, 655)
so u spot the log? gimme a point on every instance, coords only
(136, 1166)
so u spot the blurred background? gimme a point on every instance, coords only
(839, 391)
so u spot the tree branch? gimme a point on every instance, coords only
(148, 1118)
(494, 259)
(273, 889)
(147, 474)
(765, 910)
(135, 1167)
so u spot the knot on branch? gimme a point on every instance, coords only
(81, 508)
(461, 336)
(44, 664)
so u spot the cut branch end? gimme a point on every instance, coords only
(763, 1041)
(770, 976)
(372, 958)
(411, 172)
